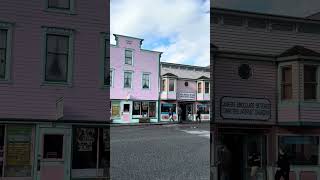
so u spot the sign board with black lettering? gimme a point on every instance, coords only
(186, 96)
(245, 108)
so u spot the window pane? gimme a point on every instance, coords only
(310, 91)
(127, 79)
(104, 150)
(287, 75)
(233, 20)
(63, 4)
(115, 107)
(309, 28)
(199, 87)
(145, 81)
(136, 108)
(145, 108)
(303, 150)
(207, 87)
(171, 85)
(282, 26)
(286, 92)
(204, 108)
(56, 67)
(2, 63)
(257, 23)
(310, 73)
(128, 57)
(3, 38)
(152, 109)
(126, 107)
(58, 44)
(52, 146)
(166, 108)
(164, 85)
(84, 148)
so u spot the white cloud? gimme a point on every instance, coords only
(184, 22)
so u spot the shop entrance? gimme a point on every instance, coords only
(235, 153)
(186, 111)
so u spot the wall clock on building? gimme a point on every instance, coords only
(244, 71)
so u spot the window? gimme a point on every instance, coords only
(171, 84)
(233, 20)
(186, 84)
(59, 4)
(165, 108)
(127, 79)
(282, 26)
(115, 109)
(206, 87)
(302, 150)
(257, 23)
(128, 57)
(204, 108)
(144, 108)
(145, 81)
(152, 109)
(310, 82)
(286, 83)
(164, 88)
(309, 28)
(57, 57)
(136, 108)
(126, 108)
(199, 87)
(3, 53)
(111, 77)
(91, 148)
(107, 73)
(52, 146)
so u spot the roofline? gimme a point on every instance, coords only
(184, 65)
(116, 35)
(262, 15)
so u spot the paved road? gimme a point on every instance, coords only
(160, 152)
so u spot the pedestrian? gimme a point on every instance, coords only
(283, 169)
(171, 115)
(198, 118)
(179, 114)
(254, 161)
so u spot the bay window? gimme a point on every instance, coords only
(310, 82)
(206, 87)
(199, 87)
(171, 85)
(286, 83)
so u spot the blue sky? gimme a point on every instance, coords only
(298, 8)
(178, 28)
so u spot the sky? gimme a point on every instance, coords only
(178, 28)
(297, 8)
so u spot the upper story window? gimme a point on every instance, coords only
(127, 80)
(199, 87)
(57, 58)
(286, 82)
(145, 81)
(232, 20)
(310, 82)
(128, 57)
(171, 85)
(257, 23)
(59, 4)
(111, 77)
(106, 58)
(3, 53)
(206, 87)
(282, 26)
(164, 88)
(309, 28)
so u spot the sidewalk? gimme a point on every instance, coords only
(157, 123)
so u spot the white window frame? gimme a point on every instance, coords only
(317, 80)
(205, 87)
(132, 55)
(124, 79)
(200, 82)
(149, 77)
(174, 85)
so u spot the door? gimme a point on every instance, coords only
(189, 112)
(126, 111)
(54, 154)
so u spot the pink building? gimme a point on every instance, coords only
(134, 81)
(266, 92)
(53, 98)
(185, 87)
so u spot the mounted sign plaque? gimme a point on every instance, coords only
(245, 108)
(187, 96)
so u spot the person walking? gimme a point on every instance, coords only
(171, 115)
(179, 114)
(283, 169)
(198, 118)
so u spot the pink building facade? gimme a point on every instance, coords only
(52, 91)
(134, 81)
(185, 87)
(266, 92)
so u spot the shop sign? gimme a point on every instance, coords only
(186, 96)
(245, 108)
(85, 139)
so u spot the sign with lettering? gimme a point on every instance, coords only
(85, 139)
(245, 108)
(187, 96)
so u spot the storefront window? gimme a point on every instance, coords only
(136, 108)
(18, 151)
(86, 154)
(152, 109)
(302, 150)
(204, 108)
(145, 107)
(115, 109)
(165, 108)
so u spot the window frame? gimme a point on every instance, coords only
(58, 32)
(111, 77)
(70, 10)
(105, 58)
(174, 85)
(8, 51)
(199, 83)
(149, 78)
(132, 55)
(206, 88)
(164, 85)
(282, 84)
(130, 81)
(316, 82)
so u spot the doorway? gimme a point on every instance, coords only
(239, 148)
(186, 111)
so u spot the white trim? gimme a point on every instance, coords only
(127, 71)
(149, 77)
(132, 56)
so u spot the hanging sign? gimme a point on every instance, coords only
(245, 108)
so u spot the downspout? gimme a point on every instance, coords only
(159, 88)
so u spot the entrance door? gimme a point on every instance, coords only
(54, 154)
(189, 112)
(125, 115)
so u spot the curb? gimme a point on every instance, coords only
(154, 124)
